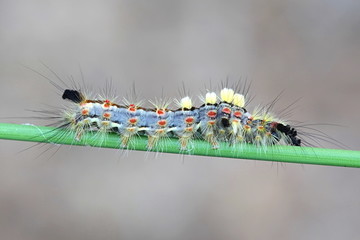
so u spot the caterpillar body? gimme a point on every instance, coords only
(222, 118)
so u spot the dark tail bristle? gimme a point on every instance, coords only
(72, 95)
(291, 132)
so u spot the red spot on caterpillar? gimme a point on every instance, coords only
(85, 112)
(273, 124)
(160, 112)
(211, 114)
(132, 109)
(162, 122)
(132, 105)
(237, 114)
(189, 129)
(211, 122)
(107, 115)
(226, 110)
(260, 128)
(247, 127)
(133, 120)
(107, 103)
(189, 120)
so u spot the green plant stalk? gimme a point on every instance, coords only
(290, 154)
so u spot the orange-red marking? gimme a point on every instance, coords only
(133, 120)
(237, 114)
(226, 110)
(107, 103)
(211, 122)
(189, 129)
(107, 115)
(160, 112)
(189, 120)
(162, 122)
(85, 112)
(211, 114)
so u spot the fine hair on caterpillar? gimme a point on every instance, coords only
(222, 117)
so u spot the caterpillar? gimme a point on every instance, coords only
(222, 117)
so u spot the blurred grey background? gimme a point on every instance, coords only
(310, 49)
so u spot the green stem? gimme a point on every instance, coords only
(290, 154)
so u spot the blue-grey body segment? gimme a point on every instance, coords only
(212, 122)
(96, 110)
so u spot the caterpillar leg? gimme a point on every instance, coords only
(127, 135)
(236, 133)
(155, 137)
(210, 136)
(186, 137)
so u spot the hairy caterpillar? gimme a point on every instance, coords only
(221, 118)
(213, 121)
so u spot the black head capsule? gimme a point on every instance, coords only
(73, 95)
